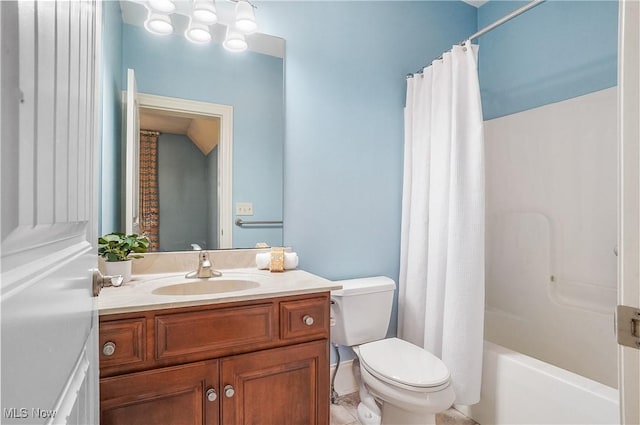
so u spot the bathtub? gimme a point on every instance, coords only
(518, 389)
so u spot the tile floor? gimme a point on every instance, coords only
(344, 413)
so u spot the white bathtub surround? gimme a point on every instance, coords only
(517, 389)
(551, 233)
(441, 298)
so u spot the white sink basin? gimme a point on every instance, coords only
(203, 287)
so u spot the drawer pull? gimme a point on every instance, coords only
(229, 391)
(308, 320)
(211, 394)
(109, 348)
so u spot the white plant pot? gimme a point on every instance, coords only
(122, 268)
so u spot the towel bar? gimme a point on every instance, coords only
(241, 222)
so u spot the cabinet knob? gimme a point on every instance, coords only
(308, 320)
(109, 348)
(229, 391)
(211, 394)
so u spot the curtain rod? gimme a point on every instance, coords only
(492, 26)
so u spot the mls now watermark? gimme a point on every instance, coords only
(24, 413)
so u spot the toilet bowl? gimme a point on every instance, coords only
(410, 384)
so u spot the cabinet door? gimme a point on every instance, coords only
(283, 386)
(168, 396)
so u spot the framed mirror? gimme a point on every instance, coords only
(251, 85)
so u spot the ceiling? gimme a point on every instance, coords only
(204, 132)
(476, 3)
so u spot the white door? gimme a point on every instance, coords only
(48, 125)
(629, 193)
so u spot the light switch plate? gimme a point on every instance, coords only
(244, 208)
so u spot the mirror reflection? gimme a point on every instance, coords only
(252, 83)
(181, 151)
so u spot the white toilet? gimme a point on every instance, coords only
(409, 383)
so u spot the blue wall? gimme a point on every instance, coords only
(184, 192)
(110, 170)
(252, 83)
(555, 51)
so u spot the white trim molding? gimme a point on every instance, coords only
(629, 199)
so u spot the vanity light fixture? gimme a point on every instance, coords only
(205, 11)
(234, 40)
(158, 23)
(163, 6)
(245, 19)
(239, 19)
(198, 32)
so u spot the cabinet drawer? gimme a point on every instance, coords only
(304, 319)
(209, 333)
(122, 342)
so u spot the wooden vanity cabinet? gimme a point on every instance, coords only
(257, 362)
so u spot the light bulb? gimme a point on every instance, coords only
(158, 23)
(205, 11)
(245, 19)
(164, 6)
(234, 41)
(198, 33)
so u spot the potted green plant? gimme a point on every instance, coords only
(118, 249)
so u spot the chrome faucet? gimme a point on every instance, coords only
(205, 270)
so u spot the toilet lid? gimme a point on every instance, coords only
(397, 361)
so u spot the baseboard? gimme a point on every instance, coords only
(345, 382)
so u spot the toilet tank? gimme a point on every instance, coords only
(361, 310)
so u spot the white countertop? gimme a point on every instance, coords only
(138, 294)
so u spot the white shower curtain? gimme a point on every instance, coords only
(441, 296)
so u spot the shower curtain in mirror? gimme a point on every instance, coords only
(148, 199)
(441, 295)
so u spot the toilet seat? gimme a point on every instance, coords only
(404, 365)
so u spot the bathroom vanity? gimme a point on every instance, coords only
(252, 356)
